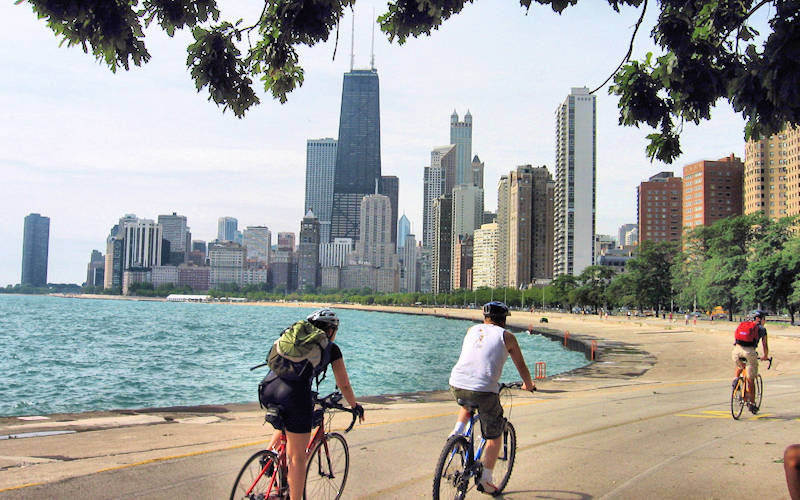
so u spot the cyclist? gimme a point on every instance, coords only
(476, 377)
(295, 400)
(747, 349)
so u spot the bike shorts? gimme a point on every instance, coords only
(294, 397)
(750, 354)
(490, 412)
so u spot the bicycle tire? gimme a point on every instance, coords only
(737, 399)
(758, 385)
(452, 475)
(505, 459)
(328, 465)
(251, 479)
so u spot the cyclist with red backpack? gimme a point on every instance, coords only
(746, 339)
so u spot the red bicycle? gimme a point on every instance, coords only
(264, 474)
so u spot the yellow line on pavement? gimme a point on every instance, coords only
(27, 485)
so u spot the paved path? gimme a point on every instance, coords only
(649, 419)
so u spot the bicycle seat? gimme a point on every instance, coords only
(468, 404)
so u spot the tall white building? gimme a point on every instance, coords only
(575, 183)
(439, 178)
(142, 244)
(320, 166)
(258, 242)
(227, 227)
(335, 253)
(408, 264)
(467, 209)
(484, 256)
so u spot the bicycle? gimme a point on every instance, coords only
(264, 474)
(459, 462)
(739, 392)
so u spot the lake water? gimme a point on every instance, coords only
(74, 355)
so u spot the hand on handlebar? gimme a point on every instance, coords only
(529, 388)
(359, 411)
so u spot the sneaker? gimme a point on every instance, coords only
(487, 487)
(752, 407)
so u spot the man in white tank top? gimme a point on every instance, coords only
(476, 377)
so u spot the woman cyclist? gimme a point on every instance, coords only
(294, 396)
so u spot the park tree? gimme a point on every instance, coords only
(651, 273)
(593, 283)
(726, 245)
(708, 50)
(773, 266)
(563, 286)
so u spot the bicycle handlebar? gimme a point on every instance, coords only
(513, 385)
(770, 363)
(331, 401)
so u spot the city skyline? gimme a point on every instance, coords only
(112, 146)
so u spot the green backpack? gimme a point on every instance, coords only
(299, 346)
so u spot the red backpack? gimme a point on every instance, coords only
(747, 331)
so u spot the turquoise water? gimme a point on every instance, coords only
(73, 355)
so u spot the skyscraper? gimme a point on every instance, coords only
(712, 190)
(575, 183)
(501, 267)
(659, 208)
(227, 228)
(95, 269)
(389, 185)
(441, 254)
(477, 172)
(375, 242)
(308, 253)
(461, 136)
(177, 233)
(530, 225)
(403, 230)
(623, 230)
(484, 256)
(143, 240)
(358, 154)
(320, 168)
(35, 245)
(258, 242)
(439, 179)
(772, 175)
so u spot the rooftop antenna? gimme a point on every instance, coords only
(352, 40)
(372, 48)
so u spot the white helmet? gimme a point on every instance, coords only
(324, 319)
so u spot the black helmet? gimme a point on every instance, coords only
(495, 309)
(324, 319)
(758, 313)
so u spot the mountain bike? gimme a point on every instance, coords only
(264, 475)
(739, 392)
(459, 462)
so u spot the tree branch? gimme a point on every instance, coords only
(745, 18)
(630, 49)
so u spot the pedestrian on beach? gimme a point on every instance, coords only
(476, 377)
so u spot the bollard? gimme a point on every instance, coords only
(541, 370)
(594, 348)
(566, 338)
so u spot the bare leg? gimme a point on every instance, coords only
(296, 458)
(490, 452)
(276, 439)
(791, 465)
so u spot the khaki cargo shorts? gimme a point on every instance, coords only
(750, 354)
(489, 410)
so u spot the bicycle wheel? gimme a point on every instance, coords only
(452, 479)
(737, 398)
(327, 469)
(256, 477)
(758, 385)
(505, 459)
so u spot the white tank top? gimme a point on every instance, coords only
(483, 355)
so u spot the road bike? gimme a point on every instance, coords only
(264, 475)
(459, 463)
(739, 392)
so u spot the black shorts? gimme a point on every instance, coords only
(294, 397)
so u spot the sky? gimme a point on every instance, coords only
(84, 146)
